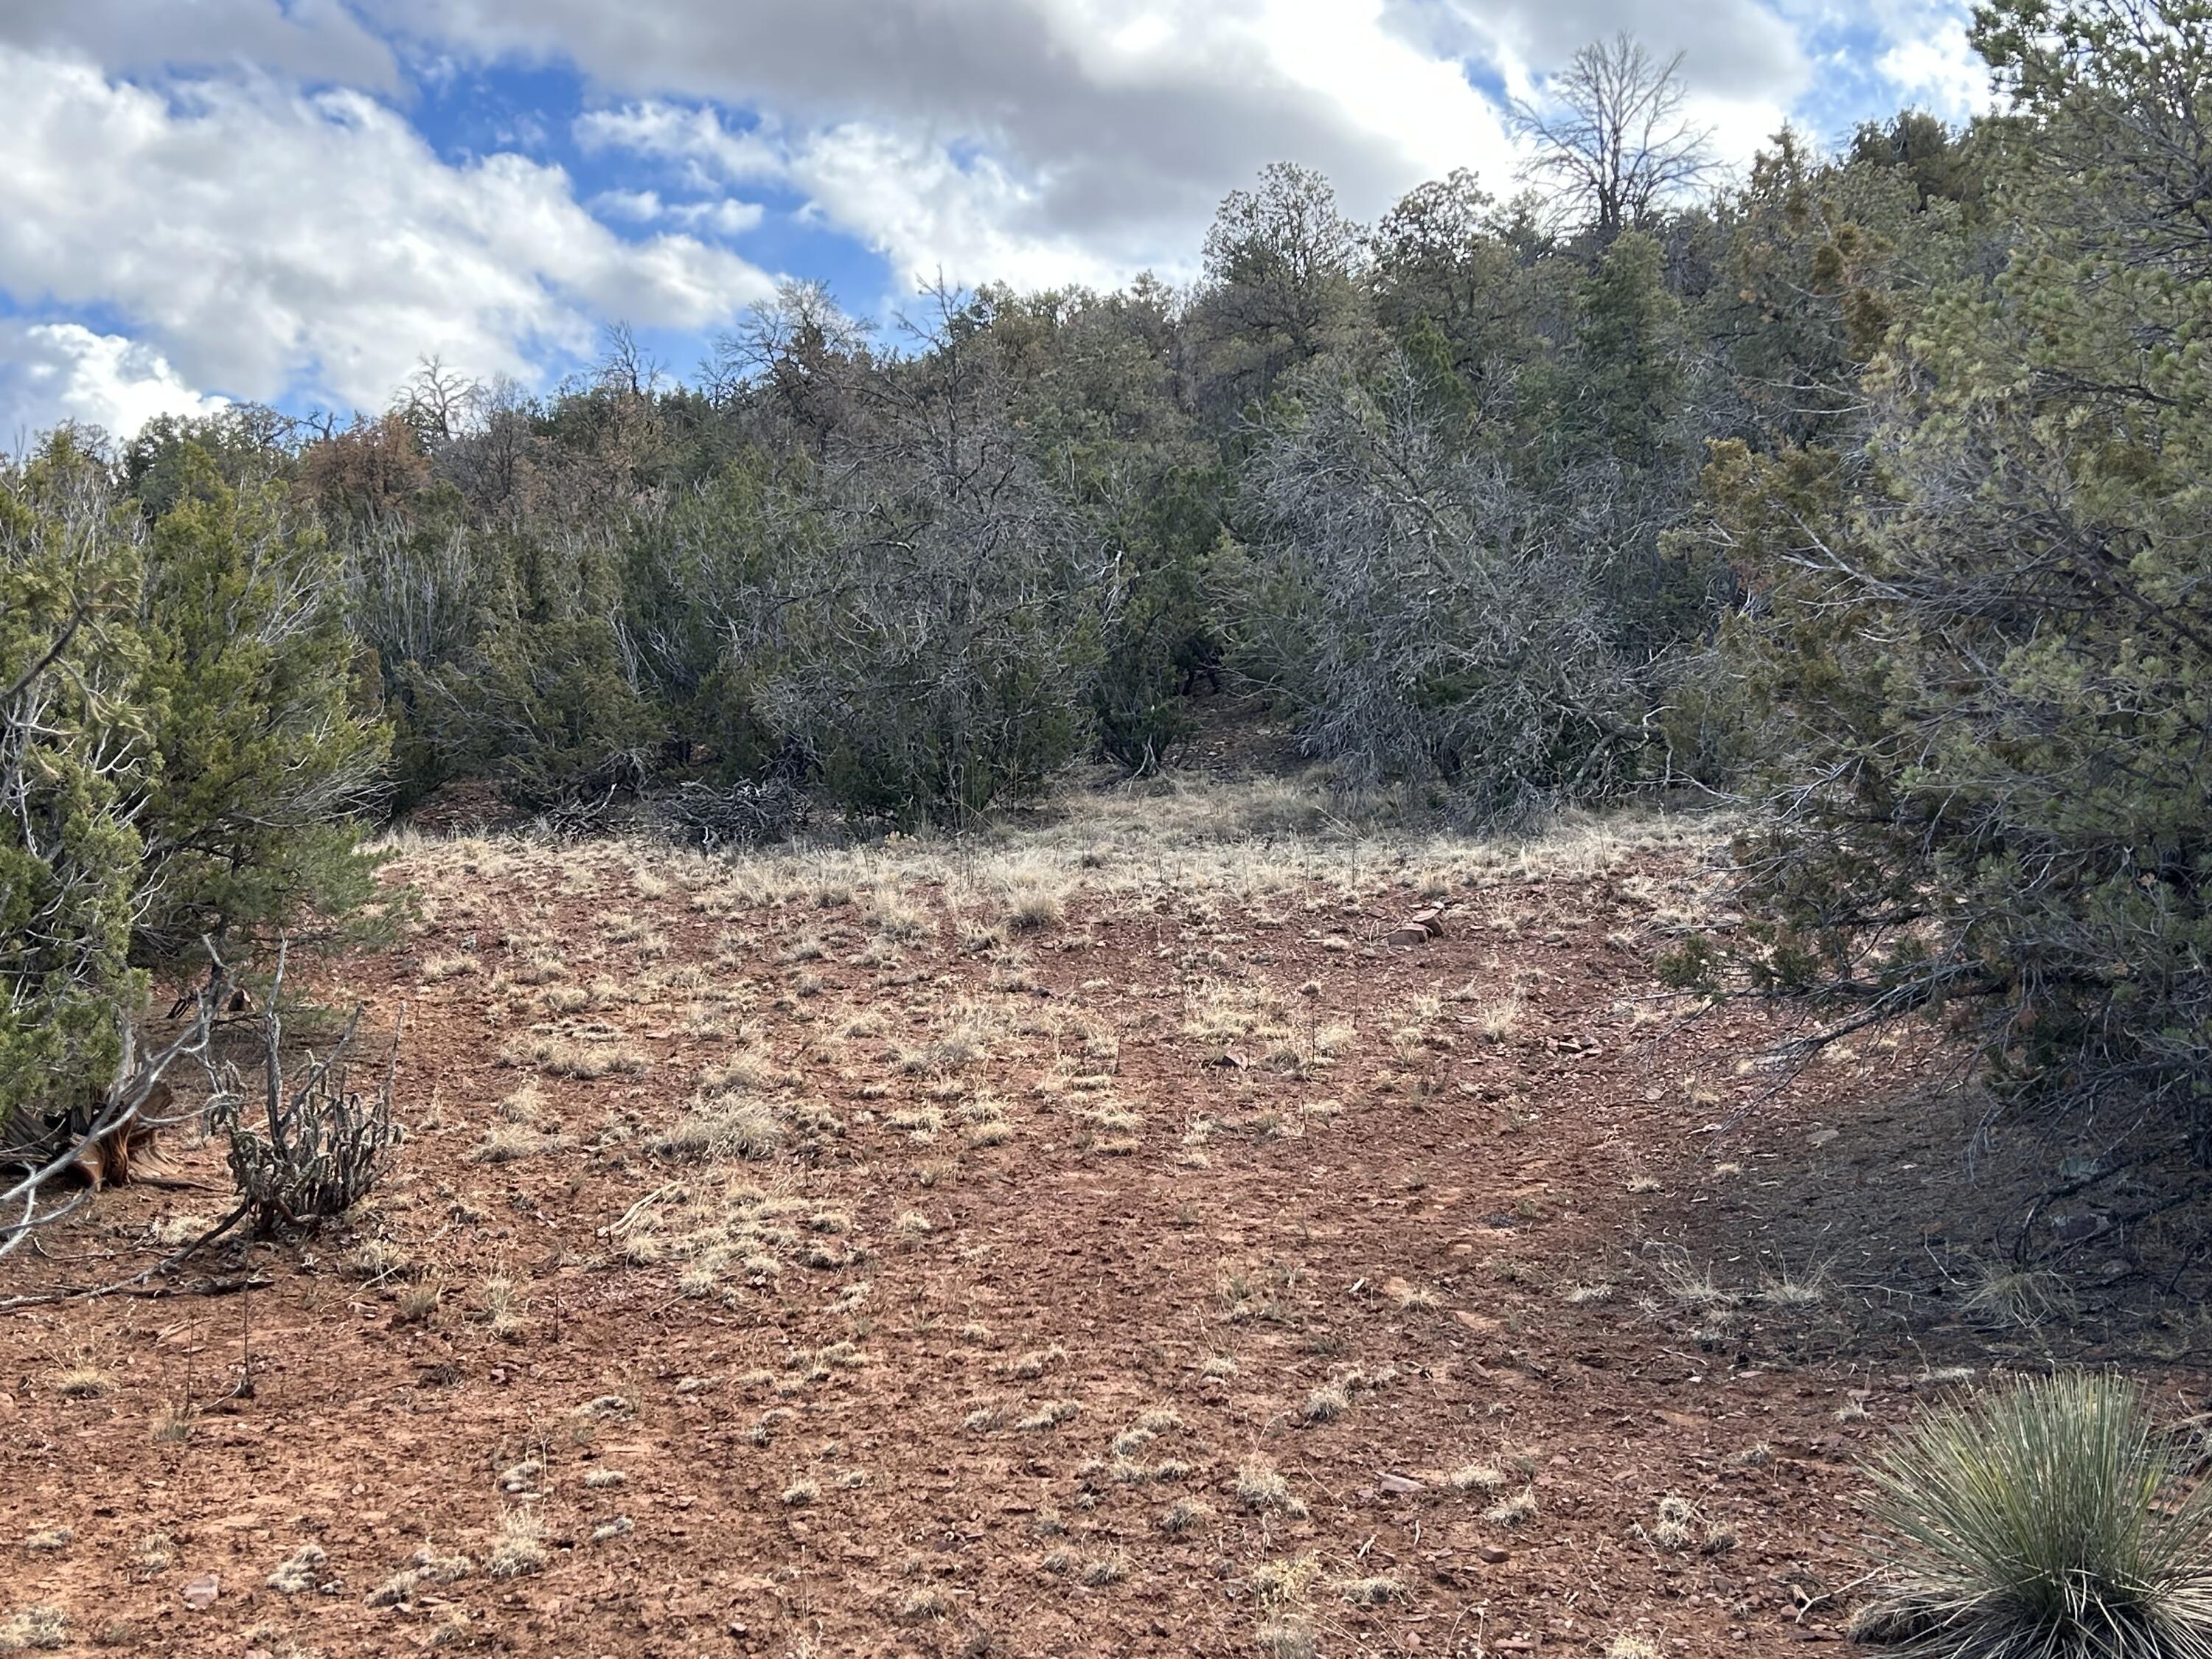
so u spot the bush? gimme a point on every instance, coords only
(178, 759)
(75, 753)
(1420, 615)
(2042, 1523)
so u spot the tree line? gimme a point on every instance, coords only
(1869, 487)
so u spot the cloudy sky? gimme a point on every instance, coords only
(295, 200)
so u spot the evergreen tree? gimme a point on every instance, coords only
(1986, 662)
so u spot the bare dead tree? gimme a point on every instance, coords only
(440, 403)
(625, 366)
(1612, 136)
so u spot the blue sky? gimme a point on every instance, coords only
(293, 200)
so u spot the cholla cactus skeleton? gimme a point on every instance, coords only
(323, 1145)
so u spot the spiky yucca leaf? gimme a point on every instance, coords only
(2042, 1522)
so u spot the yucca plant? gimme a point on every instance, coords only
(2045, 1521)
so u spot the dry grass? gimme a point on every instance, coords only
(728, 1124)
(521, 1547)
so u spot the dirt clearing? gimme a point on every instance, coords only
(1089, 1240)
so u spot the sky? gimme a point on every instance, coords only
(296, 202)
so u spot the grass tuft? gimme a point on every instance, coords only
(2041, 1520)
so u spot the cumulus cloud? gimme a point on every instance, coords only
(723, 215)
(51, 372)
(266, 240)
(1927, 59)
(243, 185)
(1059, 139)
(1056, 139)
(306, 39)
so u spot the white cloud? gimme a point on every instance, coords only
(723, 215)
(55, 372)
(1056, 139)
(695, 137)
(926, 213)
(220, 178)
(1048, 141)
(640, 207)
(1930, 60)
(265, 239)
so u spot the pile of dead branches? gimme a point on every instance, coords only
(743, 814)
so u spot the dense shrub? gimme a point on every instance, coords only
(178, 759)
(1982, 662)
(1420, 612)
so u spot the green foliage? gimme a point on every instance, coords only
(1983, 670)
(76, 750)
(178, 754)
(2044, 1520)
(248, 825)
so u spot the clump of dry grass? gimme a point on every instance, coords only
(504, 1306)
(298, 1572)
(562, 1057)
(1326, 1403)
(1496, 1021)
(894, 915)
(1283, 1588)
(521, 1547)
(43, 1629)
(1260, 1488)
(511, 1143)
(923, 1602)
(84, 1380)
(1512, 1510)
(1035, 1362)
(726, 1124)
(1476, 1477)
(1185, 1514)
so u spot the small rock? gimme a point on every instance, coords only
(202, 1591)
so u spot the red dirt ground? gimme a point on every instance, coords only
(1162, 1179)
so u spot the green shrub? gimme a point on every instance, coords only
(1979, 662)
(178, 755)
(76, 753)
(2042, 1522)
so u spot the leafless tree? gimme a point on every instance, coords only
(625, 366)
(1612, 137)
(440, 403)
(1422, 612)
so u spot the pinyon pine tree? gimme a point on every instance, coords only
(1982, 643)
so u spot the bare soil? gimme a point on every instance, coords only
(1092, 1241)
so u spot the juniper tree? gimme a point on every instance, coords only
(1985, 661)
